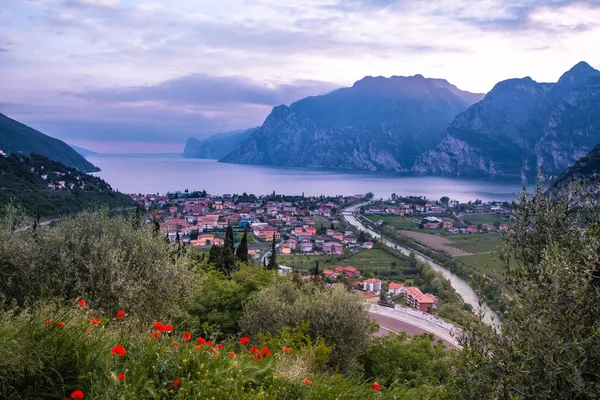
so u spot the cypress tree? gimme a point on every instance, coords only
(273, 256)
(317, 270)
(242, 249)
(265, 262)
(156, 228)
(177, 238)
(227, 262)
(214, 254)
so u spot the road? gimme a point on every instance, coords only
(389, 325)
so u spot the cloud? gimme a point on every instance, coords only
(203, 89)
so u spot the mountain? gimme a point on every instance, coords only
(521, 127)
(585, 169)
(82, 151)
(18, 138)
(216, 146)
(377, 124)
(47, 187)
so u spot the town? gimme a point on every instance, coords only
(310, 230)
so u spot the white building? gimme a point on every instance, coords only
(372, 285)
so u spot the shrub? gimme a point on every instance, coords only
(333, 314)
(106, 260)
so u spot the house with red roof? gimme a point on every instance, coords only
(330, 274)
(352, 272)
(419, 300)
(372, 285)
(395, 289)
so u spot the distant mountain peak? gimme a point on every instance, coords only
(578, 75)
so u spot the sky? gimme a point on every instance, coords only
(144, 75)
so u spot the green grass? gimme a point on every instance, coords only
(486, 263)
(477, 243)
(397, 222)
(372, 259)
(477, 219)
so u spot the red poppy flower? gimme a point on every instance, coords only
(287, 350)
(88, 331)
(177, 382)
(254, 350)
(120, 350)
(198, 347)
(167, 328)
(266, 351)
(221, 346)
(201, 341)
(210, 343)
(122, 377)
(175, 344)
(120, 314)
(82, 303)
(307, 382)
(187, 336)
(77, 394)
(232, 355)
(60, 324)
(47, 322)
(158, 325)
(245, 340)
(156, 335)
(95, 321)
(376, 386)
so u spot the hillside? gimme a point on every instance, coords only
(377, 124)
(216, 146)
(16, 137)
(585, 169)
(51, 189)
(520, 127)
(82, 151)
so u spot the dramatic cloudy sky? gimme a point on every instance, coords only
(143, 75)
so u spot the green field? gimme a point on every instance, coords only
(476, 243)
(477, 219)
(396, 222)
(372, 259)
(486, 263)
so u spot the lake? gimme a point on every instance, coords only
(152, 173)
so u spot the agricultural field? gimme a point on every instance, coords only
(396, 222)
(364, 260)
(477, 219)
(485, 262)
(476, 243)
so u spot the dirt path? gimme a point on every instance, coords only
(435, 242)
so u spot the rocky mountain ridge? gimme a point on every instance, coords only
(377, 124)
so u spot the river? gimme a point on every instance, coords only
(459, 284)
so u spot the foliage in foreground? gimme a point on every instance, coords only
(548, 346)
(42, 358)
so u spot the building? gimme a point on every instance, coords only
(330, 274)
(351, 272)
(372, 285)
(395, 289)
(369, 297)
(432, 225)
(333, 248)
(472, 229)
(447, 225)
(368, 245)
(422, 302)
(285, 248)
(306, 247)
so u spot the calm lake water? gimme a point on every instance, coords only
(168, 173)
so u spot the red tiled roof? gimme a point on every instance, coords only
(394, 285)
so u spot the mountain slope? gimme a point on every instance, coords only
(520, 127)
(216, 146)
(377, 124)
(16, 137)
(585, 169)
(82, 151)
(26, 181)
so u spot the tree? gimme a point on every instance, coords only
(156, 228)
(362, 237)
(227, 261)
(272, 265)
(444, 199)
(317, 270)
(548, 346)
(242, 249)
(214, 255)
(332, 227)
